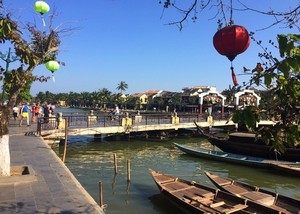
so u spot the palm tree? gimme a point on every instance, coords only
(73, 99)
(175, 101)
(95, 98)
(122, 86)
(84, 97)
(104, 96)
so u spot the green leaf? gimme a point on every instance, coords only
(282, 41)
(284, 68)
(268, 79)
(289, 49)
(294, 64)
(295, 37)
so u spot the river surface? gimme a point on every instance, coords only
(91, 161)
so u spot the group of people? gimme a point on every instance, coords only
(23, 111)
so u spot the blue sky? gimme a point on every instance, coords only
(129, 41)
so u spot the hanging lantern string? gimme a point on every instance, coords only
(231, 12)
(43, 21)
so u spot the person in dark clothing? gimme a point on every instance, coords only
(46, 113)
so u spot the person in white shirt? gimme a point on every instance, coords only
(15, 112)
(117, 111)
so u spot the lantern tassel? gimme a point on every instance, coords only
(53, 79)
(234, 80)
(44, 23)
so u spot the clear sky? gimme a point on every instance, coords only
(130, 41)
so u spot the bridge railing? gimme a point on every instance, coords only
(107, 120)
(46, 123)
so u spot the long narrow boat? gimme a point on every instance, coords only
(191, 197)
(273, 200)
(290, 168)
(246, 144)
(240, 159)
(250, 144)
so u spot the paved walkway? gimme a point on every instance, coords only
(49, 187)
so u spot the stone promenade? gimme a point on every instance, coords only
(47, 185)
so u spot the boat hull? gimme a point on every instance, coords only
(229, 157)
(290, 168)
(252, 148)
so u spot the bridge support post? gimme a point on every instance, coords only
(210, 121)
(175, 119)
(92, 119)
(138, 118)
(127, 123)
(60, 121)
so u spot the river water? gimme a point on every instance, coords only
(92, 161)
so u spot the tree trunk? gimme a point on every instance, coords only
(6, 112)
(4, 156)
(4, 120)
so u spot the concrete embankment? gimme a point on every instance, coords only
(46, 186)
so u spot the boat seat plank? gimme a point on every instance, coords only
(205, 201)
(164, 180)
(235, 208)
(192, 196)
(217, 204)
(236, 190)
(199, 198)
(221, 181)
(260, 197)
(204, 193)
(171, 186)
(182, 189)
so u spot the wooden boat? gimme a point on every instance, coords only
(273, 200)
(291, 168)
(246, 144)
(192, 197)
(250, 144)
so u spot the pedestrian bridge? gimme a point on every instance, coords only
(91, 124)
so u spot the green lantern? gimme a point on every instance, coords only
(41, 7)
(52, 66)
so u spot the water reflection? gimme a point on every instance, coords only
(92, 161)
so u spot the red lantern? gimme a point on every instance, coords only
(231, 41)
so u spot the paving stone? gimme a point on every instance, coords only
(7, 192)
(8, 207)
(24, 192)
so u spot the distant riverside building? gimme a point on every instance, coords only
(61, 103)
